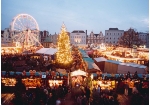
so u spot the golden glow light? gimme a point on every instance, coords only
(55, 82)
(9, 81)
(63, 55)
(78, 72)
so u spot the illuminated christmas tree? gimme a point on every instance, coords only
(63, 55)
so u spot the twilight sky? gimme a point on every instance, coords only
(90, 15)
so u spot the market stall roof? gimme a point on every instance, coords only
(84, 54)
(112, 61)
(88, 59)
(49, 51)
(37, 74)
(81, 50)
(92, 67)
(100, 59)
(42, 50)
(78, 72)
(133, 65)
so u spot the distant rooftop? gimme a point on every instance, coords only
(113, 28)
(78, 31)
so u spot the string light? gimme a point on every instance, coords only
(63, 55)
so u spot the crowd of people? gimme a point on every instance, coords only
(40, 96)
(54, 96)
(19, 62)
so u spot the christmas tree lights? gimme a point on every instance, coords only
(63, 55)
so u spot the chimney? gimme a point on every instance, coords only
(86, 32)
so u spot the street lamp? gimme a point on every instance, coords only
(92, 80)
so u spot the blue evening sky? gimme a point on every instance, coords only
(90, 15)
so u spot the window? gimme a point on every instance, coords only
(110, 33)
(110, 38)
(118, 33)
(107, 33)
(114, 33)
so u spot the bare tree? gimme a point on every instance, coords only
(130, 38)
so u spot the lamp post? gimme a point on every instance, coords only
(92, 80)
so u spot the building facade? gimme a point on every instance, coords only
(78, 37)
(113, 35)
(47, 42)
(6, 36)
(147, 40)
(143, 37)
(95, 38)
(54, 38)
(43, 35)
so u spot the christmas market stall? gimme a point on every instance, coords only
(100, 62)
(78, 78)
(99, 79)
(55, 79)
(31, 82)
(9, 81)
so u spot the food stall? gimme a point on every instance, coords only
(31, 82)
(9, 81)
(109, 84)
(55, 83)
(78, 77)
(8, 84)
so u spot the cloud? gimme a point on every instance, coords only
(145, 21)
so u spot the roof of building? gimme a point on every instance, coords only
(78, 31)
(113, 28)
(96, 35)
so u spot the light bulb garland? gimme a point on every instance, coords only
(63, 55)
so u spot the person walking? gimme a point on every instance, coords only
(126, 88)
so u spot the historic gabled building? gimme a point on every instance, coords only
(47, 42)
(43, 35)
(5, 36)
(54, 38)
(95, 38)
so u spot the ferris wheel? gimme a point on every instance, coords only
(25, 30)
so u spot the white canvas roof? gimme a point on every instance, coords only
(49, 51)
(42, 50)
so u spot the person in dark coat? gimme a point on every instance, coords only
(126, 88)
(84, 100)
(88, 93)
(51, 100)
